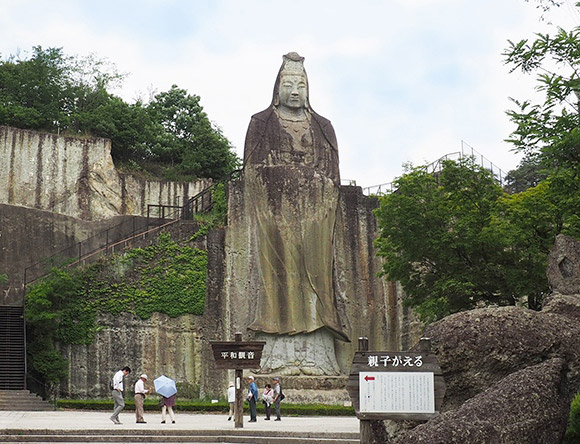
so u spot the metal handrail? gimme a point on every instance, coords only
(435, 167)
(176, 212)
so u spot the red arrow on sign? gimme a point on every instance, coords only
(369, 378)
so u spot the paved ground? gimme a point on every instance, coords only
(90, 420)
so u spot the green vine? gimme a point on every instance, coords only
(165, 277)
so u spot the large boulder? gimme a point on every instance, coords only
(563, 269)
(478, 348)
(510, 372)
(528, 406)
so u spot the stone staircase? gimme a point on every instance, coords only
(23, 400)
(190, 436)
(12, 348)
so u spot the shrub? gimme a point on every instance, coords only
(573, 432)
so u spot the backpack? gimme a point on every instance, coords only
(111, 385)
(282, 395)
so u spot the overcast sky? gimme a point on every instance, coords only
(401, 80)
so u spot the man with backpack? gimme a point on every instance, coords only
(117, 393)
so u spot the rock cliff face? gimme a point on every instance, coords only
(57, 191)
(76, 177)
(156, 346)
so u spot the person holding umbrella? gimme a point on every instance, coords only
(167, 389)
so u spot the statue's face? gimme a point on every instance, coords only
(293, 91)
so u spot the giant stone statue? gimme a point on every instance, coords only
(292, 186)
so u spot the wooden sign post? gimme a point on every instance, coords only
(238, 355)
(394, 385)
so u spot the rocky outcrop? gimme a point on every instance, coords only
(510, 372)
(478, 348)
(528, 406)
(564, 266)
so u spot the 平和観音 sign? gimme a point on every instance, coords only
(397, 392)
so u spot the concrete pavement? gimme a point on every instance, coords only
(95, 426)
(76, 420)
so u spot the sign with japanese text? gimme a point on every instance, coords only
(396, 385)
(397, 392)
(237, 355)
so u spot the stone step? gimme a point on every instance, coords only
(196, 436)
(23, 400)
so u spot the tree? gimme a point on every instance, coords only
(171, 136)
(455, 240)
(548, 132)
(436, 239)
(549, 129)
(189, 140)
(51, 91)
(529, 173)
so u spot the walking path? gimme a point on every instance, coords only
(91, 420)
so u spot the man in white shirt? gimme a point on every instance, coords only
(117, 393)
(231, 399)
(140, 393)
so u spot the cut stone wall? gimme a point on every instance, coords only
(156, 346)
(76, 177)
(74, 184)
(56, 191)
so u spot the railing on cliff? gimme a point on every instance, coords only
(74, 253)
(436, 166)
(121, 236)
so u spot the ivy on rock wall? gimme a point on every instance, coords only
(165, 277)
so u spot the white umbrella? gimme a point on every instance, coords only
(165, 386)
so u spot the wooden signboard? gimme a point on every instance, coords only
(238, 355)
(396, 385)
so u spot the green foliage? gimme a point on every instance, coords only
(550, 129)
(217, 217)
(170, 279)
(435, 236)
(573, 431)
(171, 136)
(529, 173)
(454, 240)
(164, 277)
(51, 91)
(4, 278)
(188, 138)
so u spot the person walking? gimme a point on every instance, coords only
(167, 405)
(231, 399)
(278, 396)
(268, 398)
(252, 398)
(140, 393)
(117, 389)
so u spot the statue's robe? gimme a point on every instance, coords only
(292, 187)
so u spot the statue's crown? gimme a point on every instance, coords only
(293, 63)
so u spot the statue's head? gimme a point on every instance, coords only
(291, 87)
